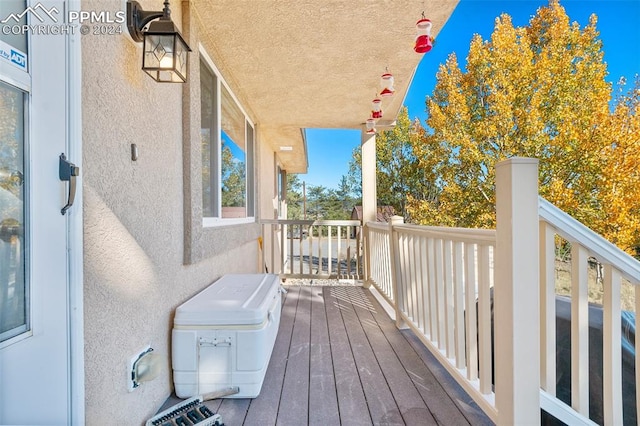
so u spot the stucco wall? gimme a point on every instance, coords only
(139, 216)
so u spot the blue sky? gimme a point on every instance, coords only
(618, 22)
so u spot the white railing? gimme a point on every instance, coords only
(313, 248)
(377, 235)
(441, 281)
(585, 244)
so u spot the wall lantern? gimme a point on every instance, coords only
(424, 42)
(164, 51)
(376, 108)
(386, 81)
(370, 125)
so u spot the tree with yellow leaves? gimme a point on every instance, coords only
(535, 91)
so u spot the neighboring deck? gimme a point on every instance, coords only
(339, 359)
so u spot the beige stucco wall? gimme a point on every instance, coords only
(140, 218)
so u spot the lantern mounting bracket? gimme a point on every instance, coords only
(137, 18)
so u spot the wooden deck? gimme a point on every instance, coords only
(339, 359)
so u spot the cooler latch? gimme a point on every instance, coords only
(215, 341)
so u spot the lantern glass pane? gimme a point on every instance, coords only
(158, 51)
(165, 57)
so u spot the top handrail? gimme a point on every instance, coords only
(310, 222)
(469, 235)
(575, 232)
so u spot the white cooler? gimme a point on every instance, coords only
(224, 336)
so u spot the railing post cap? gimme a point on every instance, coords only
(517, 160)
(396, 219)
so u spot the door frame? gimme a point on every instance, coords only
(72, 57)
(75, 250)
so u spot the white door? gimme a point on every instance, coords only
(35, 385)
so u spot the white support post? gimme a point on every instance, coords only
(516, 297)
(369, 192)
(369, 188)
(396, 279)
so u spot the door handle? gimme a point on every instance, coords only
(68, 172)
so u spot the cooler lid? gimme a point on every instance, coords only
(235, 299)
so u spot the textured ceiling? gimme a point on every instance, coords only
(297, 64)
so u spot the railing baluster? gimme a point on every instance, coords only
(338, 254)
(273, 249)
(424, 286)
(329, 250)
(262, 257)
(412, 279)
(547, 309)
(283, 247)
(374, 266)
(458, 303)
(310, 246)
(470, 311)
(291, 233)
(415, 271)
(388, 267)
(405, 254)
(448, 296)
(320, 242)
(348, 263)
(406, 267)
(399, 273)
(386, 252)
(301, 245)
(420, 280)
(440, 299)
(380, 264)
(612, 352)
(359, 265)
(579, 330)
(484, 320)
(431, 286)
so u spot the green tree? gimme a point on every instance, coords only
(315, 202)
(345, 195)
(233, 180)
(294, 197)
(399, 174)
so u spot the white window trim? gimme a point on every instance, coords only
(210, 222)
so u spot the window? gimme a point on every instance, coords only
(281, 186)
(15, 215)
(227, 152)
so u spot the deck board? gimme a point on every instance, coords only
(443, 380)
(352, 404)
(295, 389)
(441, 405)
(339, 359)
(382, 405)
(323, 399)
(264, 409)
(235, 410)
(412, 407)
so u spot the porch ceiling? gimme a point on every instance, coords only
(299, 64)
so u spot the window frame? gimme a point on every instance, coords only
(216, 157)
